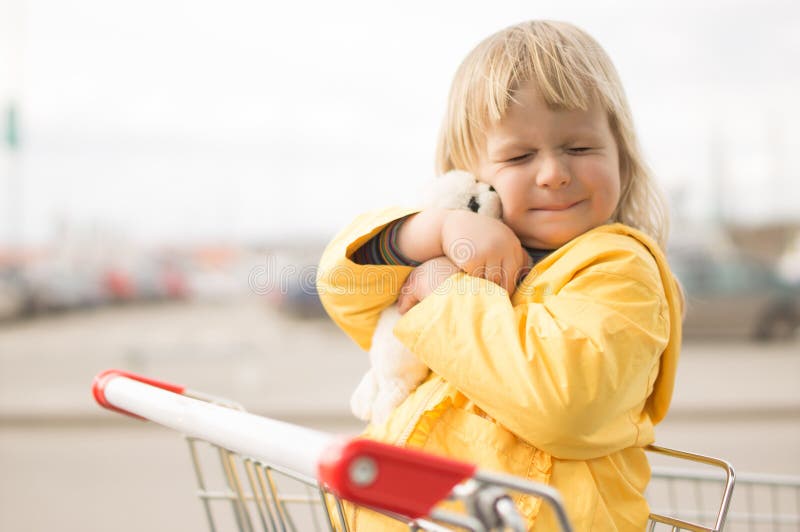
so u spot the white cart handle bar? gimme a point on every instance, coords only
(369, 473)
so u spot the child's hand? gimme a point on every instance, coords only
(484, 247)
(423, 280)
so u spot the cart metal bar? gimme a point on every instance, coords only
(267, 440)
(764, 479)
(546, 493)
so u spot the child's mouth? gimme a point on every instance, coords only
(557, 206)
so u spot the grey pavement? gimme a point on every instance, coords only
(279, 366)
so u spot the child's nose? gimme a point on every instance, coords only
(552, 173)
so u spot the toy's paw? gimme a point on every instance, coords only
(389, 397)
(363, 398)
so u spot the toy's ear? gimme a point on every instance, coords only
(488, 201)
(452, 190)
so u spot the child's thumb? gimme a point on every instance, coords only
(404, 303)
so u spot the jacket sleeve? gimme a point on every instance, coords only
(569, 374)
(354, 294)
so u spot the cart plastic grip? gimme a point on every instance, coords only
(102, 379)
(404, 481)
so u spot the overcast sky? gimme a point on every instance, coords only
(253, 120)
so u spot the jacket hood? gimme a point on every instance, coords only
(659, 400)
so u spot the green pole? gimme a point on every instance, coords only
(12, 127)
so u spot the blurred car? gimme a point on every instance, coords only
(57, 287)
(730, 295)
(118, 284)
(288, 284)
(15, 294)
(299, 300)
(146, 280)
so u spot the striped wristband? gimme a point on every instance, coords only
(382, 249)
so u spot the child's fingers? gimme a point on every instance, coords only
(407, 291)
(510, 273)
(523, 268)
(406, 302)
(473, 268)
(493, 271)
(521, 274)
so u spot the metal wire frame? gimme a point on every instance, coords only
(272, 508)
(261, 501)
(675, 516)
(257, 501)
(762, 502)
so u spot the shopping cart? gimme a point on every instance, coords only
(274, 475)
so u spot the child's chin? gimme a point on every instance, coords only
(547, 237)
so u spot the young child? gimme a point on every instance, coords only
(553, 335)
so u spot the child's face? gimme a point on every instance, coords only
(556, 171)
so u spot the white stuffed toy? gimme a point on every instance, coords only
(395, 371)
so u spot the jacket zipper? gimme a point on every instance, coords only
(418, 414)
(405, 435)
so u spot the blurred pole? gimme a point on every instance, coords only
(14, 202)
(720, 183)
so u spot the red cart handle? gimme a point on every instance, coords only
(104, 377)
(400, 480)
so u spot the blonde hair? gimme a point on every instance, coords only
(571, 70)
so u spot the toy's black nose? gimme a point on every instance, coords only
(473, 204)
(491, 188)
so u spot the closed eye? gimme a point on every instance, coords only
(579, 149)
(518, 158)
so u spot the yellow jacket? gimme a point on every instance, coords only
(561, 383)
